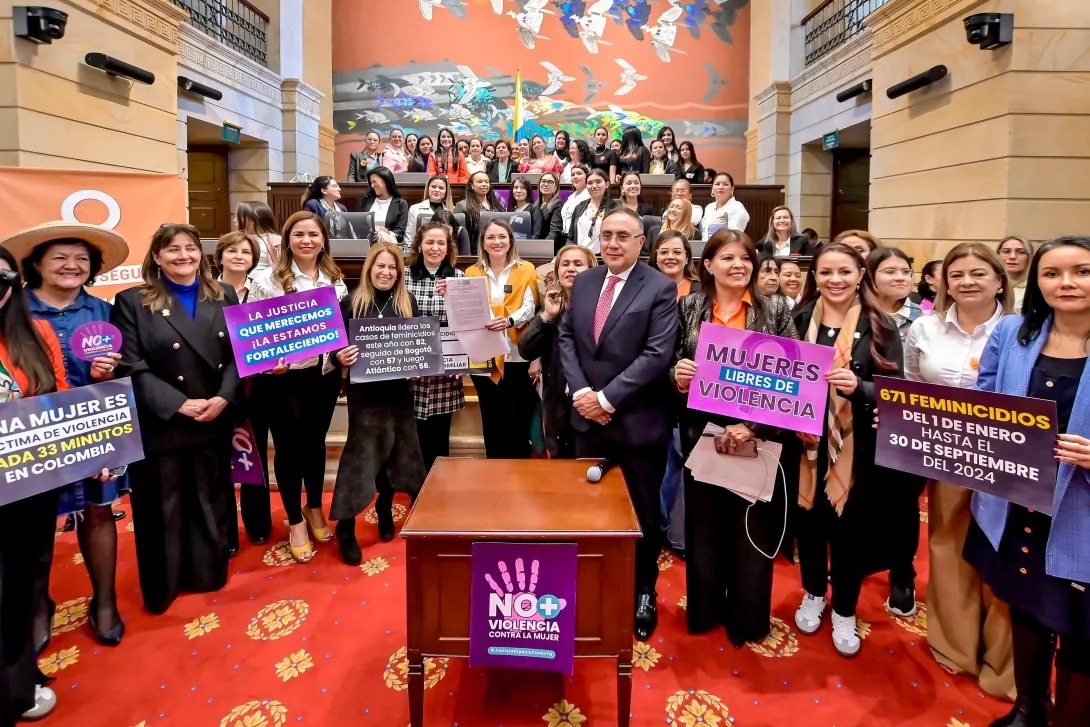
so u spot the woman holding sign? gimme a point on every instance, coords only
(299, 399)
(1036, 563)
(728, 580)
(174, 345)
(381, 431)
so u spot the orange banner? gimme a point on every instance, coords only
(133, 204)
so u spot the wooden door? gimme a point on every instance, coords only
(209, 194)
(851, 190)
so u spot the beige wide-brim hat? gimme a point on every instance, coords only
(111, 245)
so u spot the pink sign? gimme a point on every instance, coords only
(761, 378)
(95, 339)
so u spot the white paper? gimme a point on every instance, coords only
(750, 478)
(482, 344)
(467, 304)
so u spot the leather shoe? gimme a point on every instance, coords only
(1026, 713)
(106, 638)
(647, 616)
(119, 515)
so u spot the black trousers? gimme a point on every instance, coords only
(298, 407)
(434, 435)
(905, 530)
(825, 553)
(506, 410)
(643, 467)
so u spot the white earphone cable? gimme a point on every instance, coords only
(783, 533)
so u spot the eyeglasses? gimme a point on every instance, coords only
(1014, 251)
(547, 181)
(621, 237)
(896, 272)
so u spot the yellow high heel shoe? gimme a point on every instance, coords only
(300, 553)
(318, 525)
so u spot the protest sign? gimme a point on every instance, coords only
(456, 359)
(95, 339)
(395, 348)
(994, 443)
(522, 606)
(246, 465)
(292, 327)
(761, 378)
(50, 440)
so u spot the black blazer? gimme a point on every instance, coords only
(537, 228)
(573, 228)
(171, 358)
(494, 171)
(397, 217)
(551, 221)
(800, 245)
(542, 340)
(694, 174)
(629, 363)
(418, 165)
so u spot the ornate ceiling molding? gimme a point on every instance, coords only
(301, 97)
(774, 97)
(160, 18)
(846, 62)
(899, 21)
(215, 60)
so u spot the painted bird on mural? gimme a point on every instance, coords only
(592, 86)
(665, 32)
(568, 9)
(405, 102)
(715, 83)
(629, 77)
(725, 17)
(593, 24)
(634, 14)
(529, 21)
(456, 7)
(383, 84)
(557, 79)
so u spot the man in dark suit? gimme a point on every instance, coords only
(616, 343)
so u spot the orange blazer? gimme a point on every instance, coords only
(454, 176)
(52, 349)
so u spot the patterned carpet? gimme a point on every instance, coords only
(324, 644)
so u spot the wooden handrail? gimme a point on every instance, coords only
(815, 11)
(265, 17)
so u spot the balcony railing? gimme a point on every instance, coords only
(235, 23)
(834, 23)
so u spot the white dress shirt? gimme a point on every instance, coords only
(569, 208)
(480, 166)
(938, 351)
(380, 208)
(623, 275)
(732, 214)
(522, 316)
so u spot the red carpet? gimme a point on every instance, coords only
(323, 644)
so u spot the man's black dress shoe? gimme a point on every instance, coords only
(647, 616)
(119, 515)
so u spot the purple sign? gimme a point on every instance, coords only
(95, 339)
(246, 465)
(995, 443)
(760, 378)
(50, 440)
(291, 327)
(522, 611)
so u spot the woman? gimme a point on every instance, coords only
(507, 398)
(688, 164)
(861, 241)
(548, 200)
(631, 189)
(479, 196)
(660, 162)
(791, 281)
(891, 270)
(633, 156)
(359, 163)
(463, 147)
(579, 154)
(1034, 562)
(615, 147)
(968, 628)
(840, 488)
(679, 218)
(541, 340)
(447, 161)
(381, 431)
(395, 157)
(724, 210)
(58, 261)
(540, 160)
(561, 224)
(418, 162)
(768, 275)
(476, 161)
(435, 398)
(1016, 253)
(522, 150)
(602, 156)
(438, 197)
(175, 347)
(783, 238)
(928, 287)
(672, 255)
(586, 219)
(666, 136)
(503, 168)
(321, 198)
(561, 144)
(411, 140)
(390, 209)
(728, 580)
(490, 151)
(522, 200)
(298, 400)
(256, 219)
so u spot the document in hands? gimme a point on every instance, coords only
(482, 344)
(467, 304)
(751, 478)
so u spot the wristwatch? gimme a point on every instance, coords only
(511, 321)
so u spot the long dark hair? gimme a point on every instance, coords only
(314, 191)
(639, 197)
(25, 345)
(880, 323)
(672, 146)
(879, 256)
(692, 157)
(562, 154)
(438, 151)
(423, 158)
(924, 288)
(387, 178)
(585, 154)
(631, 141)
(473, 205)
(1035, 309)
(521, 181)
(259, 214)
(664, 237)
(717, 242)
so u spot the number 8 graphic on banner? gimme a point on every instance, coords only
(68, 207)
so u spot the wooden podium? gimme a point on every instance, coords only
(467, 500)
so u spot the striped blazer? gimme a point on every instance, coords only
(1005, 368)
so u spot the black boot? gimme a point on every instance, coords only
(1034, 649)
(384, 509)
(1072, 692)
(347, 543)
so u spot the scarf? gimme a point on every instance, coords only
(522, 274)
(839, 477)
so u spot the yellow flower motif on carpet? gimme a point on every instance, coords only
(957, 723)
(278, 555)
(915, 624)
(398, 510)
(644, 656)
(264, 713)
(564, 714)
(277, 620)
(143, 723)
(666, 559)
(684, 603)
(862, 628)
(129, 528)
(396, 673)
(294, 665)
(202, 625)
(61, 660)
(923, 516)
(781, 641)
(695, 707)
(374, 566)
(77, 558)
(70, 615)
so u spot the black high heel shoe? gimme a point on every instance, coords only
(109, 638)
(44, 642)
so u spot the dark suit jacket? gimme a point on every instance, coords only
(542, 340)
(551, 221)
(800, 245)
(172, 358)
(418, 165)
(357, 166)
(694, 174)
(494, 171)
(630, 361)
(397, 217)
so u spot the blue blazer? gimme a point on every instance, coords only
(1005, 368)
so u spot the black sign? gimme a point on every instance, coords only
(395, 348)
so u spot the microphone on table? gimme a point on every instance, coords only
(598, 470)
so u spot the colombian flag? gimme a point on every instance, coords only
(516, 124)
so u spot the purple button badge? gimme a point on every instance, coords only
(95, 339)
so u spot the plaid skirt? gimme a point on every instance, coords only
(433, 395)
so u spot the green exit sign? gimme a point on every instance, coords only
(231, 133)
(830, 141)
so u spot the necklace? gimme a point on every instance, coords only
(383, 308)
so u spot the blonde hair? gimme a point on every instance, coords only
(592, 261)
(364, 297)
(870, 239)
(1005, 295)
(282, 273)
(1028, 247)
(154, 295)
(685, 227)
(770, 236)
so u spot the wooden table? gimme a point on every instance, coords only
(467, 500)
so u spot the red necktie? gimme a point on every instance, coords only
(605, 302)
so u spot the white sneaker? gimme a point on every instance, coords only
(45, 701)
(808, 617)
(845, 639)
